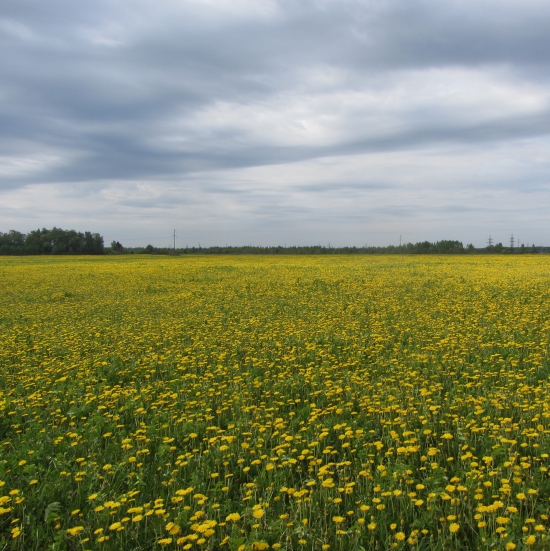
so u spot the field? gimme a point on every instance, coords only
(303, 403)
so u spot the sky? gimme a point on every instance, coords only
(268, 122)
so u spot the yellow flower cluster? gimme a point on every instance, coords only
(275, 402)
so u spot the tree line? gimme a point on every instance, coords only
(422, 247)
(58, 241)
(53, 241)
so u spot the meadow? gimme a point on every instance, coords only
(293, 403)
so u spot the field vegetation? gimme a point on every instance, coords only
(304, 403)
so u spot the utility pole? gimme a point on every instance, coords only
(399, 243)
(174, 240)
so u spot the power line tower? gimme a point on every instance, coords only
(512, 242)
(174, 240)
(399, 243)
(490, 242)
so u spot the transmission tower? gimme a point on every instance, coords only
(512, 242)
(490, 242)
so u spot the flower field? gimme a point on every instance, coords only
(304, 403)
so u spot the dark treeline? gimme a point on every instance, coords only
(58, 241)
(54, 241)
(424, 247)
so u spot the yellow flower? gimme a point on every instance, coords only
(531, 540)
(233, 517)
(338, 520)
(400, 536)
(502, 520)
(76, 530)
(258, 513)
(454, 527)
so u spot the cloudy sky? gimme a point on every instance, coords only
(272, 122)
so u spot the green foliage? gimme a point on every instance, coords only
(54, 241)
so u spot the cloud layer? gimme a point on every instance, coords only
(271, 122)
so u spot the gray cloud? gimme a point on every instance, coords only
(234, 118)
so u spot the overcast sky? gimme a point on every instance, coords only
(272, 122)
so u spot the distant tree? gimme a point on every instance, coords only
(93, 243)
(522, 249)
(498, 248)
(12, 242)
(534, 249)
(449, 247)
(54, 241)
(116, 247)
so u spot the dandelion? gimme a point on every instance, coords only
(262, 370)
(258, 513)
